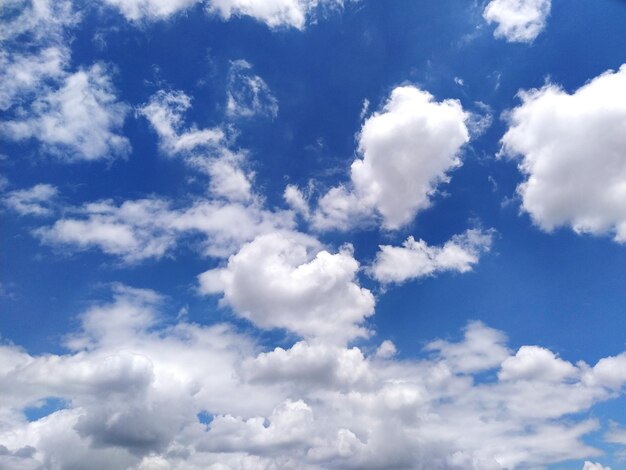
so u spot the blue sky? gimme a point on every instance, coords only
(398, 226)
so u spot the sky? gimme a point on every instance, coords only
(312, 234)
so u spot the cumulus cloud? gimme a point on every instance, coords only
(33, 201)
(82, 120)
(287, 280)
(415, 259)
(137, 230)
(248, 94)
(518, 20)
(407, 149)
(132, 386)
(594, 466)
(571, 150)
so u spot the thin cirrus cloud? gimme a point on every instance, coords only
(130, 389)
(575, 167)
(518, 20)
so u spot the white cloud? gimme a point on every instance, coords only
(35, 49)
(131, 386)
(80, 121)
(135, 10)
(572, 149)
(24, 74)
(407, 150)
(165, 112)
(205, 150)
(247, 94)
(594, 466)
(296, 200)
(274, 13)
(287, 280)
(37, 20)
(150, 228)
(32, 201)
(518, 20)
(415, 259)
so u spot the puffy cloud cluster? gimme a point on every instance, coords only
(416, 259)
(572, 150)
(286, 280)
(518, 20)
(139, 392)
(407, 149)
(74, 115)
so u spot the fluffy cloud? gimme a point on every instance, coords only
(287, 280)
(248, 94)
(415, 259)
(594, 466)
(572, 149)
(407, 149)
(150, 228)
(32, 201)
(131, 387)
(518, 20)
(80, 121)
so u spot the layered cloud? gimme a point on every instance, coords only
(137, 230)
(518, 20)
(136, 391)
(415, 259)
(572, 155)
(406, 150)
